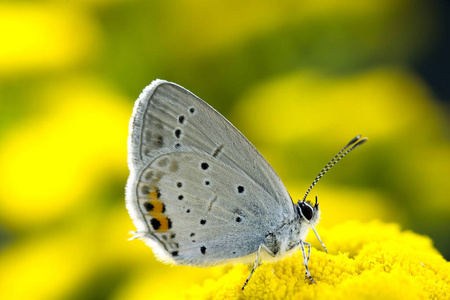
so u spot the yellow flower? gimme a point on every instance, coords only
(40, 37)
(62, 153)
(365, 261)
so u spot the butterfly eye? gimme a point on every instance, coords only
(306, 210)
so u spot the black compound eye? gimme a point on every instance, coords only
(307, 211)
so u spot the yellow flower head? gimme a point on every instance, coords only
(365, 261)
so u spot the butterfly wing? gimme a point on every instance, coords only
(199, 192)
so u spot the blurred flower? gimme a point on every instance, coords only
(381, 103)
(44, 37)
(46, 266)
(51, 163)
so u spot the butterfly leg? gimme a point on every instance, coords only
(306, 259)
(309, 251)
(257, 263)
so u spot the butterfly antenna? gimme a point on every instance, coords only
(355, 142)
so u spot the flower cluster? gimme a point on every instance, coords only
(366, 261)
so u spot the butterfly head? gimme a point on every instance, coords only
(308, 212)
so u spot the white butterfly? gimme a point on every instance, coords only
(200, 194)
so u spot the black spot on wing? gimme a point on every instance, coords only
(156, 224)
(178, 133)
(240, 189)
(148, 206)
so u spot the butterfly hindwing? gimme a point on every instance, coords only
(198, 218)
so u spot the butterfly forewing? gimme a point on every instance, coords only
(197, 186)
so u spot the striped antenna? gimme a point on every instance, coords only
(355, 142)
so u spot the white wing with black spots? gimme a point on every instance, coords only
(198, 190)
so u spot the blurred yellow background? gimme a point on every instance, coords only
(298, 78)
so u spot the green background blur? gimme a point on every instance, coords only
(298, 78)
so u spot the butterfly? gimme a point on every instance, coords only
(200, 194)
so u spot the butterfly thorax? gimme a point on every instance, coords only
(288, 236)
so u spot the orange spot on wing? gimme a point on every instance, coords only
(158, 207)
(162, 223)
(165, 223)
